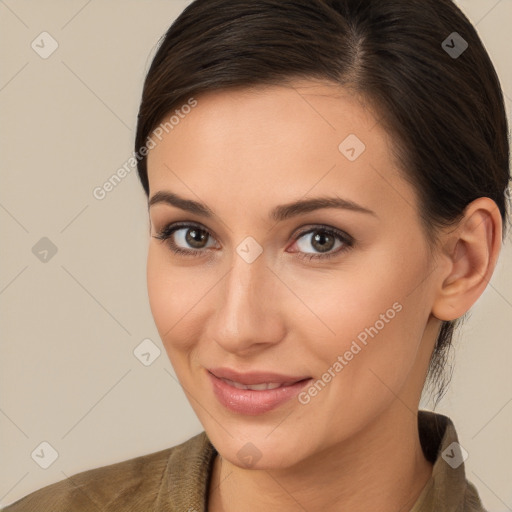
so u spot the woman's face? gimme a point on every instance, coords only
(331, 304)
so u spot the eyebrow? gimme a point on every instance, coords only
(278, 213)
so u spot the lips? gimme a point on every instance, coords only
(254, 393)
(248, 378)
(255, 387)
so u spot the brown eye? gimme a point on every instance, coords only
(323, 240)
(185, 239)
(195, 237)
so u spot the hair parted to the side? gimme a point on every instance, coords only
(446, 115)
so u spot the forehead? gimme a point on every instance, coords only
(275, 143)
(252, 117)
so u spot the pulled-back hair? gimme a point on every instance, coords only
(445, 112)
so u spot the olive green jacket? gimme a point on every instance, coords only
(177, 479)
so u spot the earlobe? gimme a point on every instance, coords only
(473, 251)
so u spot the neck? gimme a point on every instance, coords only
(383, 464)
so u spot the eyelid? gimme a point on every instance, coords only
(319, 227)
(171, 227)
(303, 230)
(348, 241)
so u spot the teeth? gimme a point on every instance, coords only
(254, 387)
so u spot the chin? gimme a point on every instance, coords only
(260, 446)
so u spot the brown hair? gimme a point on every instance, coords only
(445, 112)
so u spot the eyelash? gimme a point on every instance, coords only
(165, 235)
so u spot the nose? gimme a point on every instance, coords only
(248, 318)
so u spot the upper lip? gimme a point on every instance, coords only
(254, 377)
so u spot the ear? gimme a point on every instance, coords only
(469, 256)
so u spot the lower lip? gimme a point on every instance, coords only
(253, 402)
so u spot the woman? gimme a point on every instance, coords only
(326, 184)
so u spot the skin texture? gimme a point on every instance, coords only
(355, 444)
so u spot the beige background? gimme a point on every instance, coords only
(68, 375)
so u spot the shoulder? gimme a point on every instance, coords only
(128, 485)
(448, 487)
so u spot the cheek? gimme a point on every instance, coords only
(368, 313)
(157, 290)
(176, 297)
(168, 296)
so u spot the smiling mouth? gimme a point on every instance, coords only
(253, 393)
(251, 378)
(258, 387)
